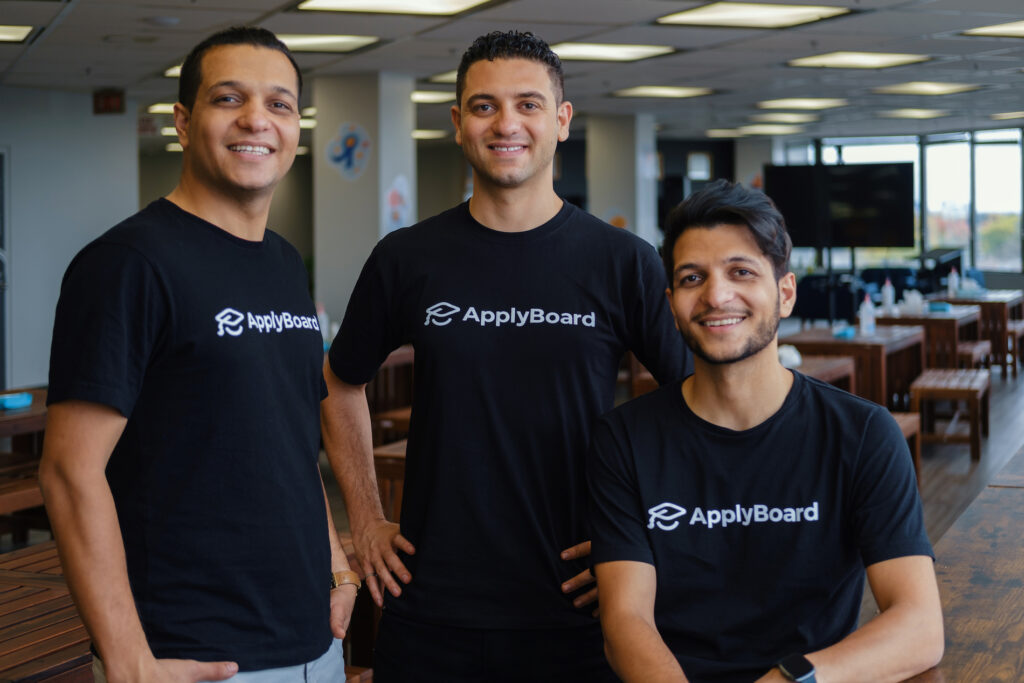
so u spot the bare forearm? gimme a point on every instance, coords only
(637, 653)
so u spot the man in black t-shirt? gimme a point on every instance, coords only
(181, 461)
(734, 513)
(520, 307)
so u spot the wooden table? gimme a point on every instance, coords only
(996, 307)
(25, 425)
(887, 361)
(942, 331)
(840, 371)
(41, 635)
(389, 465)
(980, 565)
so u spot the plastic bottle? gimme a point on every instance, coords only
(953, 282)
(867, 316)
(323, 321)
(888, 297)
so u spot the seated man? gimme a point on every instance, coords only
(734, 514)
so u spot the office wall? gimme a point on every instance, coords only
(441, 173)
(72, 175)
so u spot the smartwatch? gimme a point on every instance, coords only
(797, 668)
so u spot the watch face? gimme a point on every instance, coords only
(796, 667)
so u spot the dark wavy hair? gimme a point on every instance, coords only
(191, 69)
(722, 202)
(511, 45)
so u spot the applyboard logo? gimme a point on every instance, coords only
(233, 323)
(666, 516)
(442, 313)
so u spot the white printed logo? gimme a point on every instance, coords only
(229, 320)
(663, 513)
(441, 313)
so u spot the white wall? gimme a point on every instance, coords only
(71, 176)
(751, 156)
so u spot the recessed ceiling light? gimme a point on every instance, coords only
(813, 103)
(1014, 29)
(859, 60)
(769, 129)
(1008, 115)
(432, 96)
(435, 7)
(608, 52)
(752, 15)
(925, 88)
(914, 113)
(723, 133)
(14, 34)
(301, 150)
(446, 77)
(173, 72)
(307, 124)
(161, 108)
(169, 132)
(784, 117)
(662, 91)
(323, 43)
(173, 147)
(429, 134)
(309, 112)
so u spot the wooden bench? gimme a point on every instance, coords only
(910, 425)
(974, 354)
(969, 386)
(391, 424)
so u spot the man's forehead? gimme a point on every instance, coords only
(481, 74)
(717, 245)
(240, 63)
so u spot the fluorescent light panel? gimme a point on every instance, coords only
(14, 34)
(608, 52)
(169, 131)
(913, 113)
(309, 112)
(662, 91)
(925, 88)
(299, 42)
(429, 134)
(173, 147)
(161, 108)
(432, 96)
(446, 77)
(1014, 29)
(784, 117)
(813, 103)
(1007, 116)
(301, 150)
(173, 72)
(723, 133)
(770, 129)
(307, 124)
(858, 60)
(430, 7)
(751, 15)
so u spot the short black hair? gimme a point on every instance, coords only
(191, 69)
(511, 45)
(721, 203)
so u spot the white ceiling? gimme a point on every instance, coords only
(90, 44)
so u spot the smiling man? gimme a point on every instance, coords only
(520, 307)
(181, 460)
(734, 513)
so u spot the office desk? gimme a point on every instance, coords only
(942, 331)
(979, 563)
(887, 361)
(996, 307)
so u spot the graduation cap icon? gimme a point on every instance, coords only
(229, 320)
(663, 513)
(441, 313)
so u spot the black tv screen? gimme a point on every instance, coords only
(854, 205)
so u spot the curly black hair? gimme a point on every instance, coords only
(511, 45)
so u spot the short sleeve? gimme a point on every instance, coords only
(110, 319)
(655, 341)
(370, 329)
(614, 509)
(885, 505)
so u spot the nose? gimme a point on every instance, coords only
(718, 291)
(253, 116)
(506, 122)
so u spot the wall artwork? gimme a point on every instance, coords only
(349, 152)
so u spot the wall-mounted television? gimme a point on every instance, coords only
(851, 205)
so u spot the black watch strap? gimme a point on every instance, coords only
(797, 668)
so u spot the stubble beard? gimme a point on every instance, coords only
(762, 337)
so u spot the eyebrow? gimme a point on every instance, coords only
(731, 260)
(525, 95)
(280, 89)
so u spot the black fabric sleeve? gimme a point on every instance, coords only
(614, 510)
(369, 331)
(111, 317)
(655, 340)
(885, 505)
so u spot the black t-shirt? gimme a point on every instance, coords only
(209, 345)
(518, 339)
(759, 537)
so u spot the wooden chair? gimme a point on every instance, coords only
(391, 424)
(910, 425)
(389, 464)
(974, 354)
(969, 386)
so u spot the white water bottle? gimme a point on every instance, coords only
(953, 283)
(888, 297)
(867, 316)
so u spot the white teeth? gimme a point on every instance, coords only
(251, 149)
(720, 323)
(507, 149)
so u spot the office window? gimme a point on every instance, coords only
(947, 169)
(997, 183)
